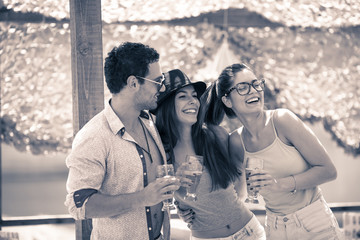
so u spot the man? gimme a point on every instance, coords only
(112, 166)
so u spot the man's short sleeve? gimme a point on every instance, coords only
(87, 169)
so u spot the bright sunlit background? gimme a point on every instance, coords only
(309, 52)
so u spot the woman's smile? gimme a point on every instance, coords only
(192, 111)
(253, 100)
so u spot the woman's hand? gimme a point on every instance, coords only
(187, 215)
(183, 175)
(261, 180)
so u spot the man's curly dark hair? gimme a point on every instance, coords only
(125, 60)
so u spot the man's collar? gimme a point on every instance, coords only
(114, 121)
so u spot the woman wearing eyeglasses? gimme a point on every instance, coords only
(294, 160)
(218, 213)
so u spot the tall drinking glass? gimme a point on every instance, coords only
(193, 166)
(166, 171)
(252, 164)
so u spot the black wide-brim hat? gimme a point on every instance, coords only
(176, 79)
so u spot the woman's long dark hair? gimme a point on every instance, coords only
(204, 135)
(215, 151)
(166, 124)
(213, 107)
(222, 170)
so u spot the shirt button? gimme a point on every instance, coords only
(141, 156)
(148, 210)
(285, 219)
(149, 228)
(144, 173)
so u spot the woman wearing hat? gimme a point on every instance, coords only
(218, 211)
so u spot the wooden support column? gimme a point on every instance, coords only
(87, 72)
(1, 180)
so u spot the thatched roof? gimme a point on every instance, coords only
(322, 13)
(313, 71)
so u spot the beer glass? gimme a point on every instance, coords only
(252, 164)
(166, 171)
(194, 168)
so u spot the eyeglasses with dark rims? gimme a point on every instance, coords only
(243, 88)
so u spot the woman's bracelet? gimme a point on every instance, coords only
(294, 191)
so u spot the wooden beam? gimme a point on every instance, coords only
(87, 72)
(1, 180)
(37, 220)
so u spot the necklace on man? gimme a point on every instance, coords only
(148, 151)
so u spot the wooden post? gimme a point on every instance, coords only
(1, 180)
(87, 72)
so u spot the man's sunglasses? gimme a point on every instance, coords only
(159, 80)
